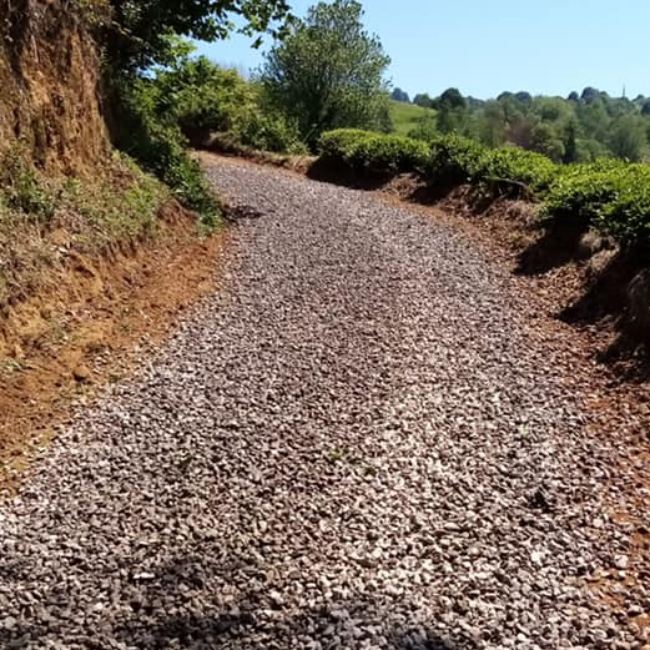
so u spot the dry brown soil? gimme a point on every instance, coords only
(89, 325)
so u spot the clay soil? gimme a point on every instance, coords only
(89, 326)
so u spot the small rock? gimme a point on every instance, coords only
(621, 562)
(82, 373)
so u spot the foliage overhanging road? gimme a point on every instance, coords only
(355, 444)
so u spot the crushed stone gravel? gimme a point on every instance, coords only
(354, 444)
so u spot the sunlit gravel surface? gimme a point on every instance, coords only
(354, 444)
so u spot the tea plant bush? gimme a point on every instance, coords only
(454, 160)
(533, 170)
(364, 151)
(612, 196)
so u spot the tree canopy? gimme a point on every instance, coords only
(580, 128)
(139, 30)
(400, 95)
(328, 71)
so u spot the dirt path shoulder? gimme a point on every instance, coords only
(93, 322)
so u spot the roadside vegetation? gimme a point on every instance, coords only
(611, 196)
(44, 219)
(323, 89)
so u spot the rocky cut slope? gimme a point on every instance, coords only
(50, 79)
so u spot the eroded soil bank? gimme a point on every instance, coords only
(88, 322)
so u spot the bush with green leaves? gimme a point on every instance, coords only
(610, 195)
(454, 160)
(160, 149)
(200, 98)
(266, 130)
(22, 190)
(532, 170)
(183, 104)
(364, 151)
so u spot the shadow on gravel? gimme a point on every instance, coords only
(245, 631)
(179, 605)
(257, 618)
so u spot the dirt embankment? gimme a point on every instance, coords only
(94, 256)
(50, 79)
(87, 327)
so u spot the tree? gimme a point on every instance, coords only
(328, 72)
(521, 131)
(423, 100)
(571, 143)
(452, 99)
(628, 138)
(553, 109)
(524, 98)
(139, 31)
(452, 111)
(547, 141)
(589, 94)
(492, 124)
(400, 96)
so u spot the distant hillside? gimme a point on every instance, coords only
(581, 127)
(406, 117)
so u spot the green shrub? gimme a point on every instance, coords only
(197, 96)
(533, 170)
(425, 130)
(200, 98)
(160, 149)
(336, 144)
(267, 131)
(610, 195)
(28, 195)
(454, 160)
(363, 151)
(22, 190)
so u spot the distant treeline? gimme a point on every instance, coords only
(580, 128)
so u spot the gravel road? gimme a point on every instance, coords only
(354, 444)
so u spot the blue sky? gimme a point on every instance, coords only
(486, 46)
